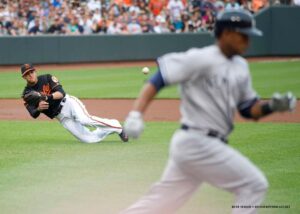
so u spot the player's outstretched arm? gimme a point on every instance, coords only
(146, 95)
(134, 124)
(57, 95)
(33, 111)
(278, 103)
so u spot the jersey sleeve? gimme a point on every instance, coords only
(179, 67)
(55, 85)
(53, 81)
(247, 92)
(32, 110)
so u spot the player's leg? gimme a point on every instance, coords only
(81, 114)
(82, 133)
(73, 118)
(167, 195)
(240, 176)
(209, 159)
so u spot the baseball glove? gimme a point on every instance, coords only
(33, 98)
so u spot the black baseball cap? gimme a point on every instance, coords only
(25, 68)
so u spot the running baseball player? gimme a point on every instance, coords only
(214, 83)
(44, 94)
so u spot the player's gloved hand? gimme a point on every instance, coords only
(134, 124)
(283, 102)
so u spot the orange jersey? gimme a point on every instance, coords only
(258, 4)
(156, 6)
(127, 2)
(123, 2)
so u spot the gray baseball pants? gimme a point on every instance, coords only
(194, 159)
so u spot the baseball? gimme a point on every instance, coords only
(145, 70)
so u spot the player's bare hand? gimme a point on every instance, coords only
(43, 105)
(134, 124)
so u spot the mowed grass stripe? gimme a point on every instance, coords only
(126, 82)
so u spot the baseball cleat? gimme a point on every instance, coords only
(123, 136)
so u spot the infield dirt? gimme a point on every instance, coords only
(159, 110)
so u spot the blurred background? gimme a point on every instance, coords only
(74, 17)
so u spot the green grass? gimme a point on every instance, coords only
(43, 169)
(126, 82)
(276, 76)
(88, 83)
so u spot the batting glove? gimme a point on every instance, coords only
(285, 102)
(134, 124)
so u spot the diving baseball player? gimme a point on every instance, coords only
(214, 83)
(44, 94)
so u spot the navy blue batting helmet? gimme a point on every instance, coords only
(236, 20)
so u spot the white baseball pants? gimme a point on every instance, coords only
(75, 118)
(194, 159)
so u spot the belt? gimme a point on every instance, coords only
(209, 132)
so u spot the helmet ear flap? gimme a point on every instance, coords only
(218, 30)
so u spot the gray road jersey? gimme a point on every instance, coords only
(211, 86)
